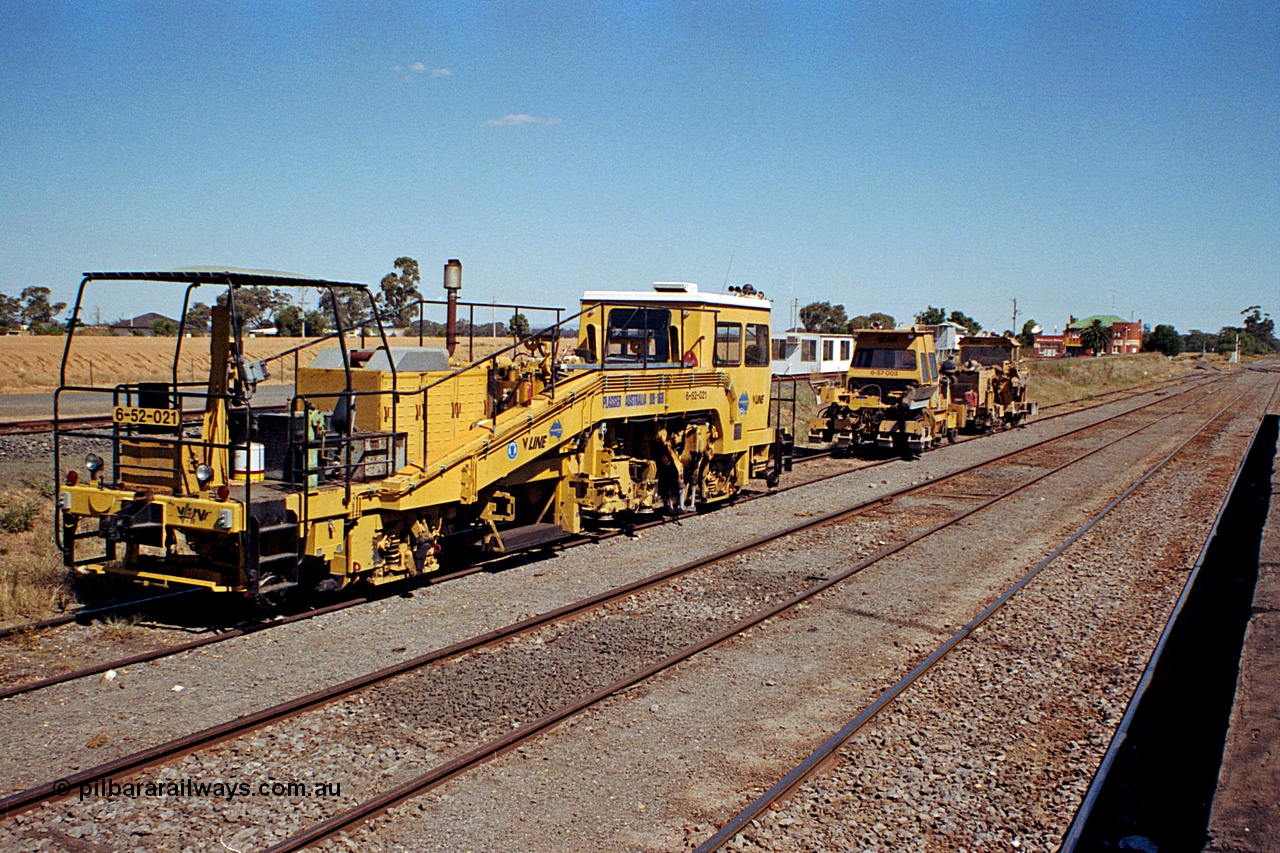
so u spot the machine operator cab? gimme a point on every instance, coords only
(675, 326)
(698, 377)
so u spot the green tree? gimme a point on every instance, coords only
(10, 313)
(1261, 328)
(518, 325)
(1198, 341)
(315, 324)
(970, 324)
(38, 311)
(870, 321)
(931, 316)
(1027, 337)
(1164, 339)
(1096, 337)
(289, 322)
(823, 317)
(198, 317)
(399, 291)
(255, 305)
(164, 328)
(352, 307)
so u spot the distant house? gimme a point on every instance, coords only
(140, 325)
(1049, 346)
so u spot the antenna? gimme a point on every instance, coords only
(726, 272)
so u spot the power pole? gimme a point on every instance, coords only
(1014, 329)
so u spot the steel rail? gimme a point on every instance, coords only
(1081, 818)
(479, 566)
(177, 648)
(486, 752)
(807, 768)
(42, 425)
(89, 612)
(23, 800)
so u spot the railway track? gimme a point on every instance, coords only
(357, 815)
(492, 564)
(818, 762)
(37, 426)
(807, 455)
(168, 752)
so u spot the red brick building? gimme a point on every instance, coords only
(1126, 337)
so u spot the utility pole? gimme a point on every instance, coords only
(1014, 328)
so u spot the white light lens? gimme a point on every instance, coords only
(204, 475)
(94, 463)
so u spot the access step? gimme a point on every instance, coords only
(531, 536)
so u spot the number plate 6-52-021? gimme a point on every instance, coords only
(137, 416)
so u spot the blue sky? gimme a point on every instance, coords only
(1084, 158)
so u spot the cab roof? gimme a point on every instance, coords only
(678, 293)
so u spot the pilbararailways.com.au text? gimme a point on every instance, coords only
(187, 788)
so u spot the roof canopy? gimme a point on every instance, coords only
(233, 277)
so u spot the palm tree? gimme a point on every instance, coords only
(1096, 337)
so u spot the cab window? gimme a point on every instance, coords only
(884, 359)
(728, 344)
(757, 351)
(638, 335)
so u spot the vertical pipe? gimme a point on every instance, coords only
(452, 284)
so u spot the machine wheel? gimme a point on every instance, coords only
(953, 435)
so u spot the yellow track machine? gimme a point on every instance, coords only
(891, 395)
(383, 458)
(991, 383)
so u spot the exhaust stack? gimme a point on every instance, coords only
(452, 284)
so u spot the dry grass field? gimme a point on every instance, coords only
(30, 363)
(1057, 380)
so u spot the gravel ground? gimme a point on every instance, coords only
(995, 747)
(140, 708)
(418, 720)
(651, 769)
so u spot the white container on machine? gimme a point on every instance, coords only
(248, 459)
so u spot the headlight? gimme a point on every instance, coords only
(94, 463)
(204, 475)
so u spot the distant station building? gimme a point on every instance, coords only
(813, 354)
(1126, 337)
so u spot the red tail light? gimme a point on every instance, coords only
(222, 492)
(72, 478)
